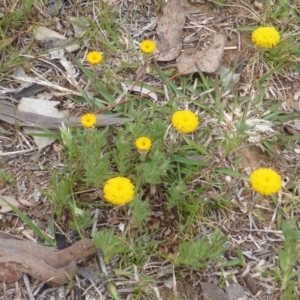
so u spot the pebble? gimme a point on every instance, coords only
(297, 96)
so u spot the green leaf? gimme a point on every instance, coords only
(234, 262)
(188, 161)
(5, 177)
(195, 146)
(99, 87)
(168, 82)
(109, 244)
(247, 28)
(231, 173)
(200, 252)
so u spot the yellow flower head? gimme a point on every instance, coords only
(88, 120)
(118, 190)
(143, 143)
(265, 37)
(265, 181)
(94, 57)
(185, 121)
(147, 46)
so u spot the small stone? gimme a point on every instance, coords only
(227, 179)
(296, 96)
(235, 291)
(212, 291)
(297, 151)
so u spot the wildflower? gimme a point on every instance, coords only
(265, 181)
(94, 57)
(185, 121)
(118, 190)
(88, 120)
(143, 143)
(147, 46)
(265, 37)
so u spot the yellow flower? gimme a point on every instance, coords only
(118, 190)
(143, 143)
(147, 46)
(185, 121)
(265, 37)
(88, 120)
(265, 181)
(94, 57)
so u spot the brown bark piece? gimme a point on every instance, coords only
(10, 115)
(47, 264)
(13, 263)
(169, 30)
(208, 60)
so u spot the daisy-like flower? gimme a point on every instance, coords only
(147, 46)
(265, 37)
(143, 143)
(265, 181)
(94, 57)
(185, 121)
(88, 120)
(118, 190)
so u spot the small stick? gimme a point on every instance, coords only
(28, 288)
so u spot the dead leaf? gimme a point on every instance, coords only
(89, 275)
(110, 2)
(43, 263)
(44, 109)
(228, 78)
(6, 42)
(260, 125)
(184, 290)
(19, 72)
(251, 283)
(207, 60)
(79, 24)
(5, 208)
(292, 127)
(169, 30)
(49, 84)
(139, 89)
(259, 5)
(49, 39)
(54, 7)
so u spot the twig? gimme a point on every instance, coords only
(28, 288)
(261, 230)
(156, 292)
(17, 152)
(102, 264)
(94, 228)
(11, 115)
